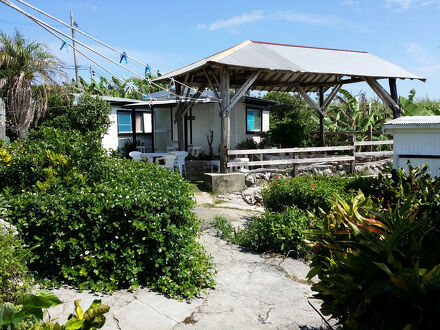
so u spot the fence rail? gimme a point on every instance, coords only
(302, 156)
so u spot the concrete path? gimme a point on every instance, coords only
(253, 291)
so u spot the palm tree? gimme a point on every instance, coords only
(24, 64)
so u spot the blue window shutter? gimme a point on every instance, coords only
(250, 120)
(124, 123)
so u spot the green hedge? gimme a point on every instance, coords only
(134, 228)
(310, 192)
(272, 231)
(101, 223)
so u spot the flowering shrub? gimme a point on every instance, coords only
(101, 223)
(271, 231)
(310, 192)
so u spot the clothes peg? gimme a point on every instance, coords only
(123, 56)
(147, 70)
(65, 43)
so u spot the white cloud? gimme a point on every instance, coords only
(307, 18)
(347, 3)
(403, 5)
(425, 63)
(234, 21)
(287, 16)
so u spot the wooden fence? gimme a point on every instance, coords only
(306, 156)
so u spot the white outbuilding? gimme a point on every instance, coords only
(417, 140)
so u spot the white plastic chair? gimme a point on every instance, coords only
(180, 162)
(169, 162)
(136, 155)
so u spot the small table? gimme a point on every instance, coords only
(151, 155)
(140, 148)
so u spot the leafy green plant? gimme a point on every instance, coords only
(308, 192)
(29, 312)
(378, 264)
(133, 227)
(89, 116)
(14, 276)
(290, 122)
(270, 231)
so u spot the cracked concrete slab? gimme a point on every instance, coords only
(253, 291)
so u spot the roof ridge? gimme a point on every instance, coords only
(310, 47)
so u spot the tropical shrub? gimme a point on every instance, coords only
(272, 231)
(379, 264)
(14, 276)
(134, 227)
(307, 192)
(290, 122)
(29, 312)
(89, 116)
(97, 222)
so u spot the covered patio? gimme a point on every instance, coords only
(262, 66)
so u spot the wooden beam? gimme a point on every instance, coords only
(394, 96)
(179, 120)
(321, 117)
(331, 96)
(383, 95)
(243, 89)
(210, 83)
(309, 100)
(184, 109)
(225, 120)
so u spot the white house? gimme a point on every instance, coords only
(417, 140)
(157, 131)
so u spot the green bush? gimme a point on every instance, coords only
(135, 227)
(89, 116)
(271, 231)
(379, 264)
(14, 276)
(101, 223)
(50, 155)
(307, 192)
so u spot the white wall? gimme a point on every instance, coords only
(110, 140)
(417, 142)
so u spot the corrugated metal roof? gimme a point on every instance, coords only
(413, 122)
(300, 64)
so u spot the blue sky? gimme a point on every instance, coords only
(170, 34)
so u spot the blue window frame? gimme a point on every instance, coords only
(253, 120)
(124, 122)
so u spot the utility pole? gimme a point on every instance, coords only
(91, 73)
(74, 51)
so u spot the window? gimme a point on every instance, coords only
(124, 122)
(253, 120)
(143, 122)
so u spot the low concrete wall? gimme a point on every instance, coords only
(224, 183)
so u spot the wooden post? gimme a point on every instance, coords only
(321, 116)
(2, 120)
(370, 137)
(133, 127)
(394, 96)
(179, 120)
(225, 120)
(74, 51)
(353, 162)
(295, 166)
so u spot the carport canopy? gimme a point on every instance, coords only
(263, 66)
